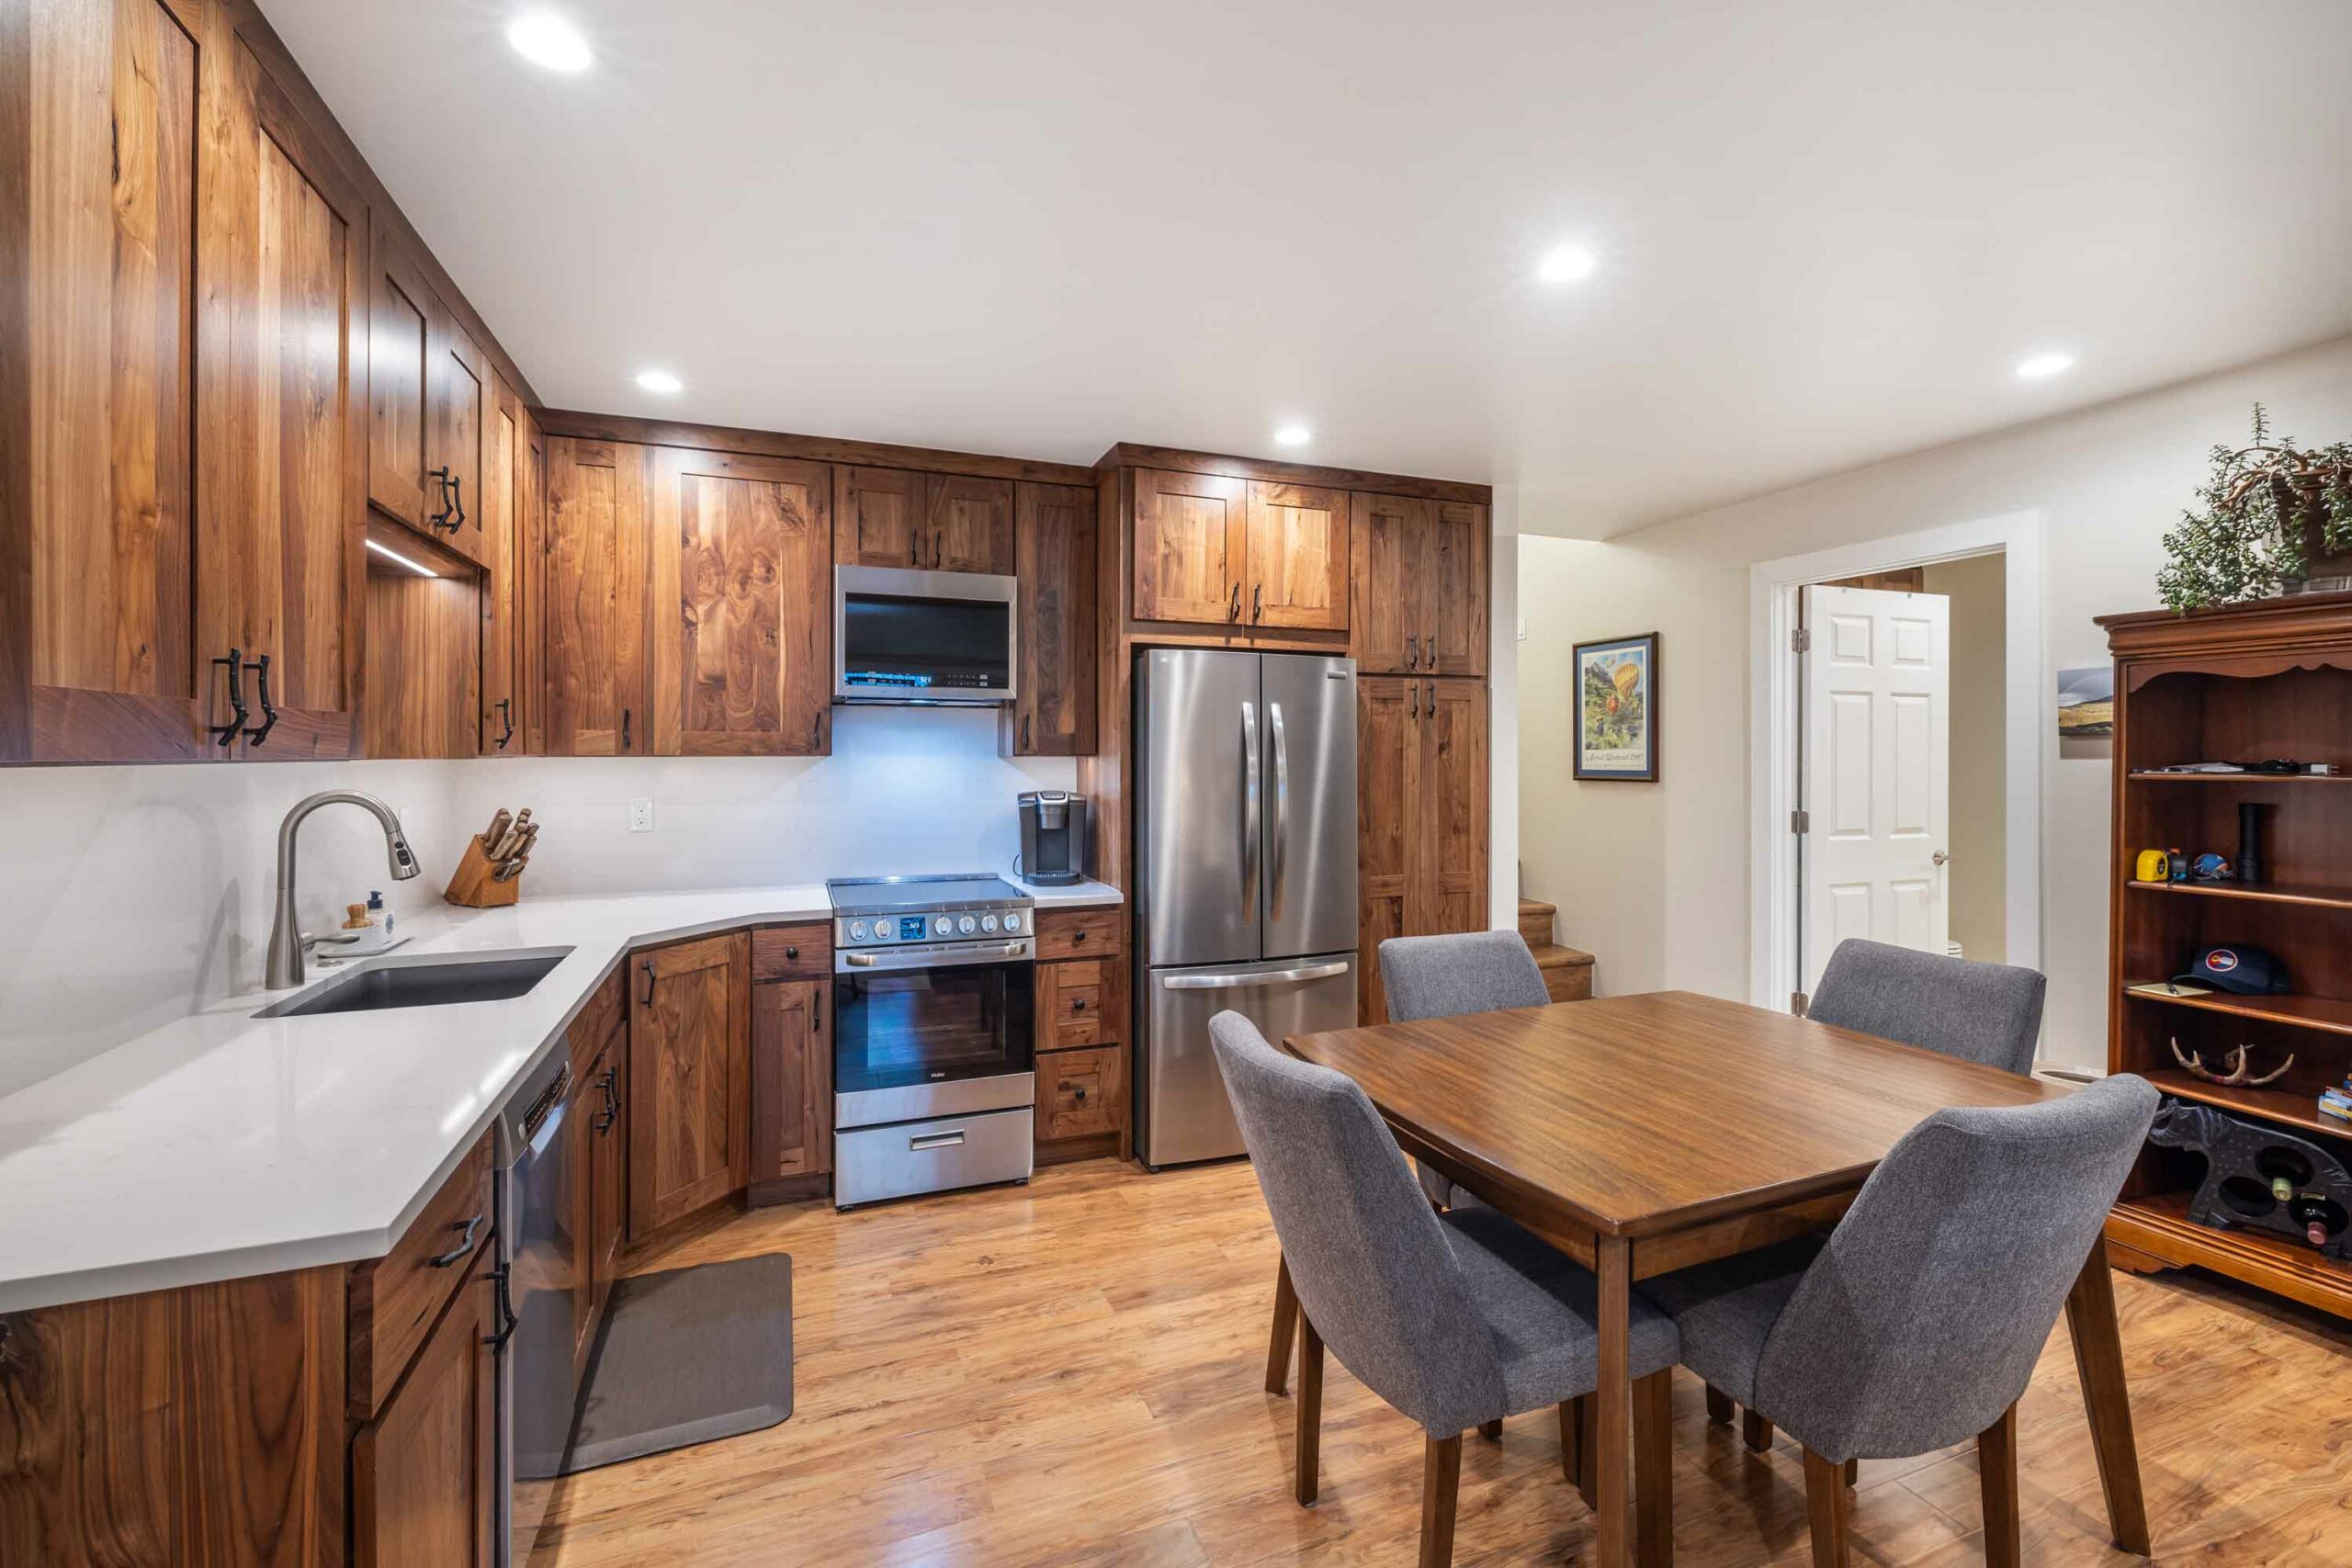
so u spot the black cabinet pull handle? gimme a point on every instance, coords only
(1258, 602)
(465, 1242)
(229, 732)
(790, 951)
(1024, 732)
(624, 746)
(937, 535)
(505, 707)
(1417, 701)
(647, 965)
(817, 733)
(1429, 709)
(1233, 610)
(914, 549)
(1412, 653)
(609, 1081)
(269, 708)
(507, 1321)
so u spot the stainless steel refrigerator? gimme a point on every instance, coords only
(1245, 872)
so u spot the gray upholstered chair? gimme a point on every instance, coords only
(1456, 1320)
(1916, 1323)
(1988, 1013)
(1983, 1012)
(1430, 977)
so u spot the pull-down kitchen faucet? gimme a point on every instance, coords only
(286, 939)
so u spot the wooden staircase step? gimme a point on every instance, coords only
(1535, 921)
(1567, 970)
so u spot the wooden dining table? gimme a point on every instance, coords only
(1640, 1134)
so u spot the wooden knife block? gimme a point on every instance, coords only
(470, 884)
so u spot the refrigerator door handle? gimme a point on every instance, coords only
(1253, 977)
(1250, 827)
(1281, 810)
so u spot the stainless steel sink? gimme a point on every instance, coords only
(379, 984)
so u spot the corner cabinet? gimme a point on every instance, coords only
(1421, 754)
(689, 1077)
(593, 620)
(792, 1052)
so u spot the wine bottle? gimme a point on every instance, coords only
(2281, 1189)
(2320, 1217)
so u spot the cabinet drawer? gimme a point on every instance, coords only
(594, 1025)
(1077, 934)
(395, 1299)
(1082, 1094)
(792, 952)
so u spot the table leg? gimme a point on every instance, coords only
(2098, 1359)
(1613, 1402)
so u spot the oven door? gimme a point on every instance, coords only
(932, 1030)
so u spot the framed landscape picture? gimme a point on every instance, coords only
(1617, 708)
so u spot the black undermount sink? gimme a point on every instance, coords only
(378, 986)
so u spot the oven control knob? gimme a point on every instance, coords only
(942, 925)
(857, 930)
(1011, 922)
(966, 926)
(988, 922)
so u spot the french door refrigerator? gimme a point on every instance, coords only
(1246, 871)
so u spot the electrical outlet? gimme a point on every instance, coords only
(640, 817)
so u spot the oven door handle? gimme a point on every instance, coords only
(1253, 977)
(918, 958)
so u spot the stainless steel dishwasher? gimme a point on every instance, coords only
(538, 1381)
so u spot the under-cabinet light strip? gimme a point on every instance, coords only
(417, 567)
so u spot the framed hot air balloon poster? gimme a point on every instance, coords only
(1617, 709)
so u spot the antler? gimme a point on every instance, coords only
(2241, 1071)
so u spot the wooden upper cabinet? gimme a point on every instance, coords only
(97, 660)
(400, 376)
(1298, 558)
(505, 545)
(1419, 586)
(1454, 594)
(689, 1061)
(742, 627)
(1191, 542)
(424, 1471)
(926, 522)
(281, 416)
(459, 423)
(970, 522)
(1053, 709)
(879, 518)
(792, 1078)
(593, 622)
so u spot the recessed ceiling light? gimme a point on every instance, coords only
(417, 567)
(1566, 265)
(660, 381)
(1293, 435)
(551, 42)
(2042, 366)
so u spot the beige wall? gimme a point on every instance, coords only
(1978, 875)
(1653, 878)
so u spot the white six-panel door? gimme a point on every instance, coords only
(1876, 764)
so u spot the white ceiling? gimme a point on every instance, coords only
(1828, 231)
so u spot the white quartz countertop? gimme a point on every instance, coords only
(224, 1145)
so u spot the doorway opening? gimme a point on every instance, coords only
(1895, 750)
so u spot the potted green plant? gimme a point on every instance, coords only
(2273, 517)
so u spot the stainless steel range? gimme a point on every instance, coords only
(934, 992)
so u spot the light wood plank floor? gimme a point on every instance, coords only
(1071, 1374)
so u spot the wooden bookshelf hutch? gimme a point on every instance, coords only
(2245, 684)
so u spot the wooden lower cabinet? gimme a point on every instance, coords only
(792, 1078)
(608, 1169)
(1081, 1095)
(1421, 817)
(689, 1059)
(1081, 1033)
(424, 1471)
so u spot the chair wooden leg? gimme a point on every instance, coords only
(1756, 1432)
(1828, 1502)
(2099, 1361)
(1440, 1488)
(1589, 1449)
(1996, 1462)
(1572, 1440)
(1285, 1328)
(1491, 1430)
(1310, 1410)
(1853, 1472)
(1654, 1470)
(1719, 1406)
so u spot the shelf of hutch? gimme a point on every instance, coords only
(2328, 1013)
(2288, 1108)
(2241, 778)
(2320, 896)
(2159, 1227)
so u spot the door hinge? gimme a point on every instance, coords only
(1800, 822)
(1800, 641)
(1798, 1002)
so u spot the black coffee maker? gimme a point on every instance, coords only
(1053, 837)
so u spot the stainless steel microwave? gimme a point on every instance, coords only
(923, 639)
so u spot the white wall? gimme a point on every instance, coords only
(1978, 874)
(1502, 706)
(1653, 878)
